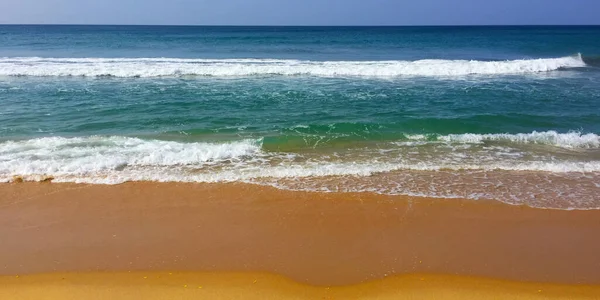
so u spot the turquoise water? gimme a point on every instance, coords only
(505, 113)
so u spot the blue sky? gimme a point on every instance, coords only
(301, 12)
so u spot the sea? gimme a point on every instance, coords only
(503, 113)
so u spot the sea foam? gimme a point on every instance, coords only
(117, 159)
(572, 139)
(158, 67)
(89, 155)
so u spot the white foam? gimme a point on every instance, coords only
(564, 140)
(155, 67)
(119, 159)
(93, 155)
(250, 173)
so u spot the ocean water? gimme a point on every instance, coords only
(503, 113)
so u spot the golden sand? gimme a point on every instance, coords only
(165, 285)
(224, 236)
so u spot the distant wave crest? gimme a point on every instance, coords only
(172, 67)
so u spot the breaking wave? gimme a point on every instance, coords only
(98, 159)
(552, 138)
(159, 67)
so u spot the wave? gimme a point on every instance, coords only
(88, 155)
(358, 135)
(117, 159)
(564, 140)
(591, 60)
(160, 67)
(89, 173)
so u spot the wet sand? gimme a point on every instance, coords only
(316, 239)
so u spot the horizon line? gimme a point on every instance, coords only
(265, 25)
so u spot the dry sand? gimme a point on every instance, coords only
(165, 285)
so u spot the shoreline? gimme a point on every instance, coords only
(314, 238)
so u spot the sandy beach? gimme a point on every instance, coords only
(384, 158)
(300, 244)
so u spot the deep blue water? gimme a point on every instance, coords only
(310, 43)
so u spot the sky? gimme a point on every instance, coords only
(301, 12)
